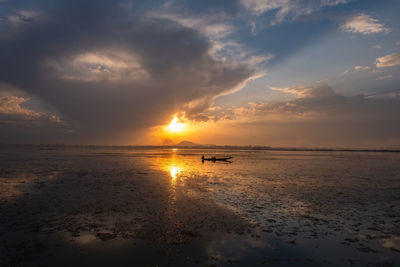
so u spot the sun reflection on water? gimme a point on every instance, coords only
(174, 171)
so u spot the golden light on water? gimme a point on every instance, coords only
(173, 166)
(174, 171)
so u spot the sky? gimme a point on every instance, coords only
(284, 73)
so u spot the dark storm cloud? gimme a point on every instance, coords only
(106, 68)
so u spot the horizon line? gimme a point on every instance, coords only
(212, 146)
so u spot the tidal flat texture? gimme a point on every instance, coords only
(147, 207)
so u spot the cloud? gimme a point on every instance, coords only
(110, 70)
(11, 105)
(395, 95)
(333, 105)
(359, 68)
(259, 7)
(24, 17)
(390, 60)
(214, 26)
(218, 29)
(331, 120)
(321, 90)
(333, 2)
(286, 8)
(20, 124)
(384, 77)
(101, 66)
(364, 24)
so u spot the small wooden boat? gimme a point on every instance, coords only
(215, 158)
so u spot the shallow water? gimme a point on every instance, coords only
(147, 207)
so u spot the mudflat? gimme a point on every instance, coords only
(146, 207)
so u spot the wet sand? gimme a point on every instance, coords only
(130, 207)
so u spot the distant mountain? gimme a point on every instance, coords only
(190, 144)
(187, 143)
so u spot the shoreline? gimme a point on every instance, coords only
(211, 147)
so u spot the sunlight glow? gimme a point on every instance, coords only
(175, 126)
(174, 171)
(178, 129)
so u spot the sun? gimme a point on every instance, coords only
(175, 126)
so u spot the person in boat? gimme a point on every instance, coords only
(214, 158)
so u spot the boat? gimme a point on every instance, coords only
(216, 159)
